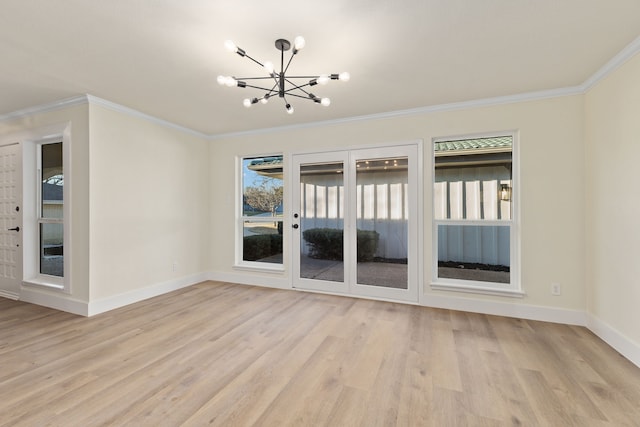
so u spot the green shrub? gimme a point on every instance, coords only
(261, 246)
(327, 243)
(367, 244)
(324, 243)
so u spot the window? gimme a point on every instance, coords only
(261, 219)
(474, 234)
(50, 208)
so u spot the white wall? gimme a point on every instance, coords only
(139, 205)
(149, 207)
(612, 117)
(551, 173)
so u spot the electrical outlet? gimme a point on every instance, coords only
(175, 266)
(556, 289)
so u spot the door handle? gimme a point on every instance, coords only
(295, 225)
(13, 229)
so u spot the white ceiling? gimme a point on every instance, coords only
(162, 57)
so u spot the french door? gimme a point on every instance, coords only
(355, 222)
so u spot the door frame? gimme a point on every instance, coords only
(415, 291)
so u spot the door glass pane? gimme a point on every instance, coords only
(382, 222)
(474, 252)
(51, 249)
(322, 221)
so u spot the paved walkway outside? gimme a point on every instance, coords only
(369, 273)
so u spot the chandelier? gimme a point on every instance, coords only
(278, 82)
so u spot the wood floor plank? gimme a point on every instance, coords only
(231, 355)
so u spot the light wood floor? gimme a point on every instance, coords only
(232, 355)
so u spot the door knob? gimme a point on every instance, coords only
(295, 226)
(13, 229)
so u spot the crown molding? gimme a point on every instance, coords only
(464, 105)
(90, 99)
(623, 56)
(135, 113)
(44, 108)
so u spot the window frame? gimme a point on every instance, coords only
(40, 218)
(241, 218)
(31, 276)
(513, 288)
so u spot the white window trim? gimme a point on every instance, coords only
(31, 194)
(512, 289)
(239, 263)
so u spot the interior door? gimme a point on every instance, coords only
(10, 221)
(355, 222)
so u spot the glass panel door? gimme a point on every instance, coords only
(355, 222)
(386, 202)
(318, 222)
(382, 222)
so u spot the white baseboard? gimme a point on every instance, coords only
(250, 279)
(507, 309)
(120, 300)
(621, 343)
(521, 311)
(46, 298)
(10, 295)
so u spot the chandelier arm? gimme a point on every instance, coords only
(299, 96)
(304, 77)
(261, 88)
(253, 78)
(288, 63)
(297, 87)
(273, 89)
(254, 60)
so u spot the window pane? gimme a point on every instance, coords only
(473, 179)
(262, 190)
(262, 186)
(262, 241)
(51, 249)
(473, 183)
(472, 252)
(52, 180)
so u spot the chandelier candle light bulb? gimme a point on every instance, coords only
(231, 46)
(280, 83)
(298, 44)
(268, 66)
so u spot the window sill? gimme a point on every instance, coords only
(43, 282)
(476, 289)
